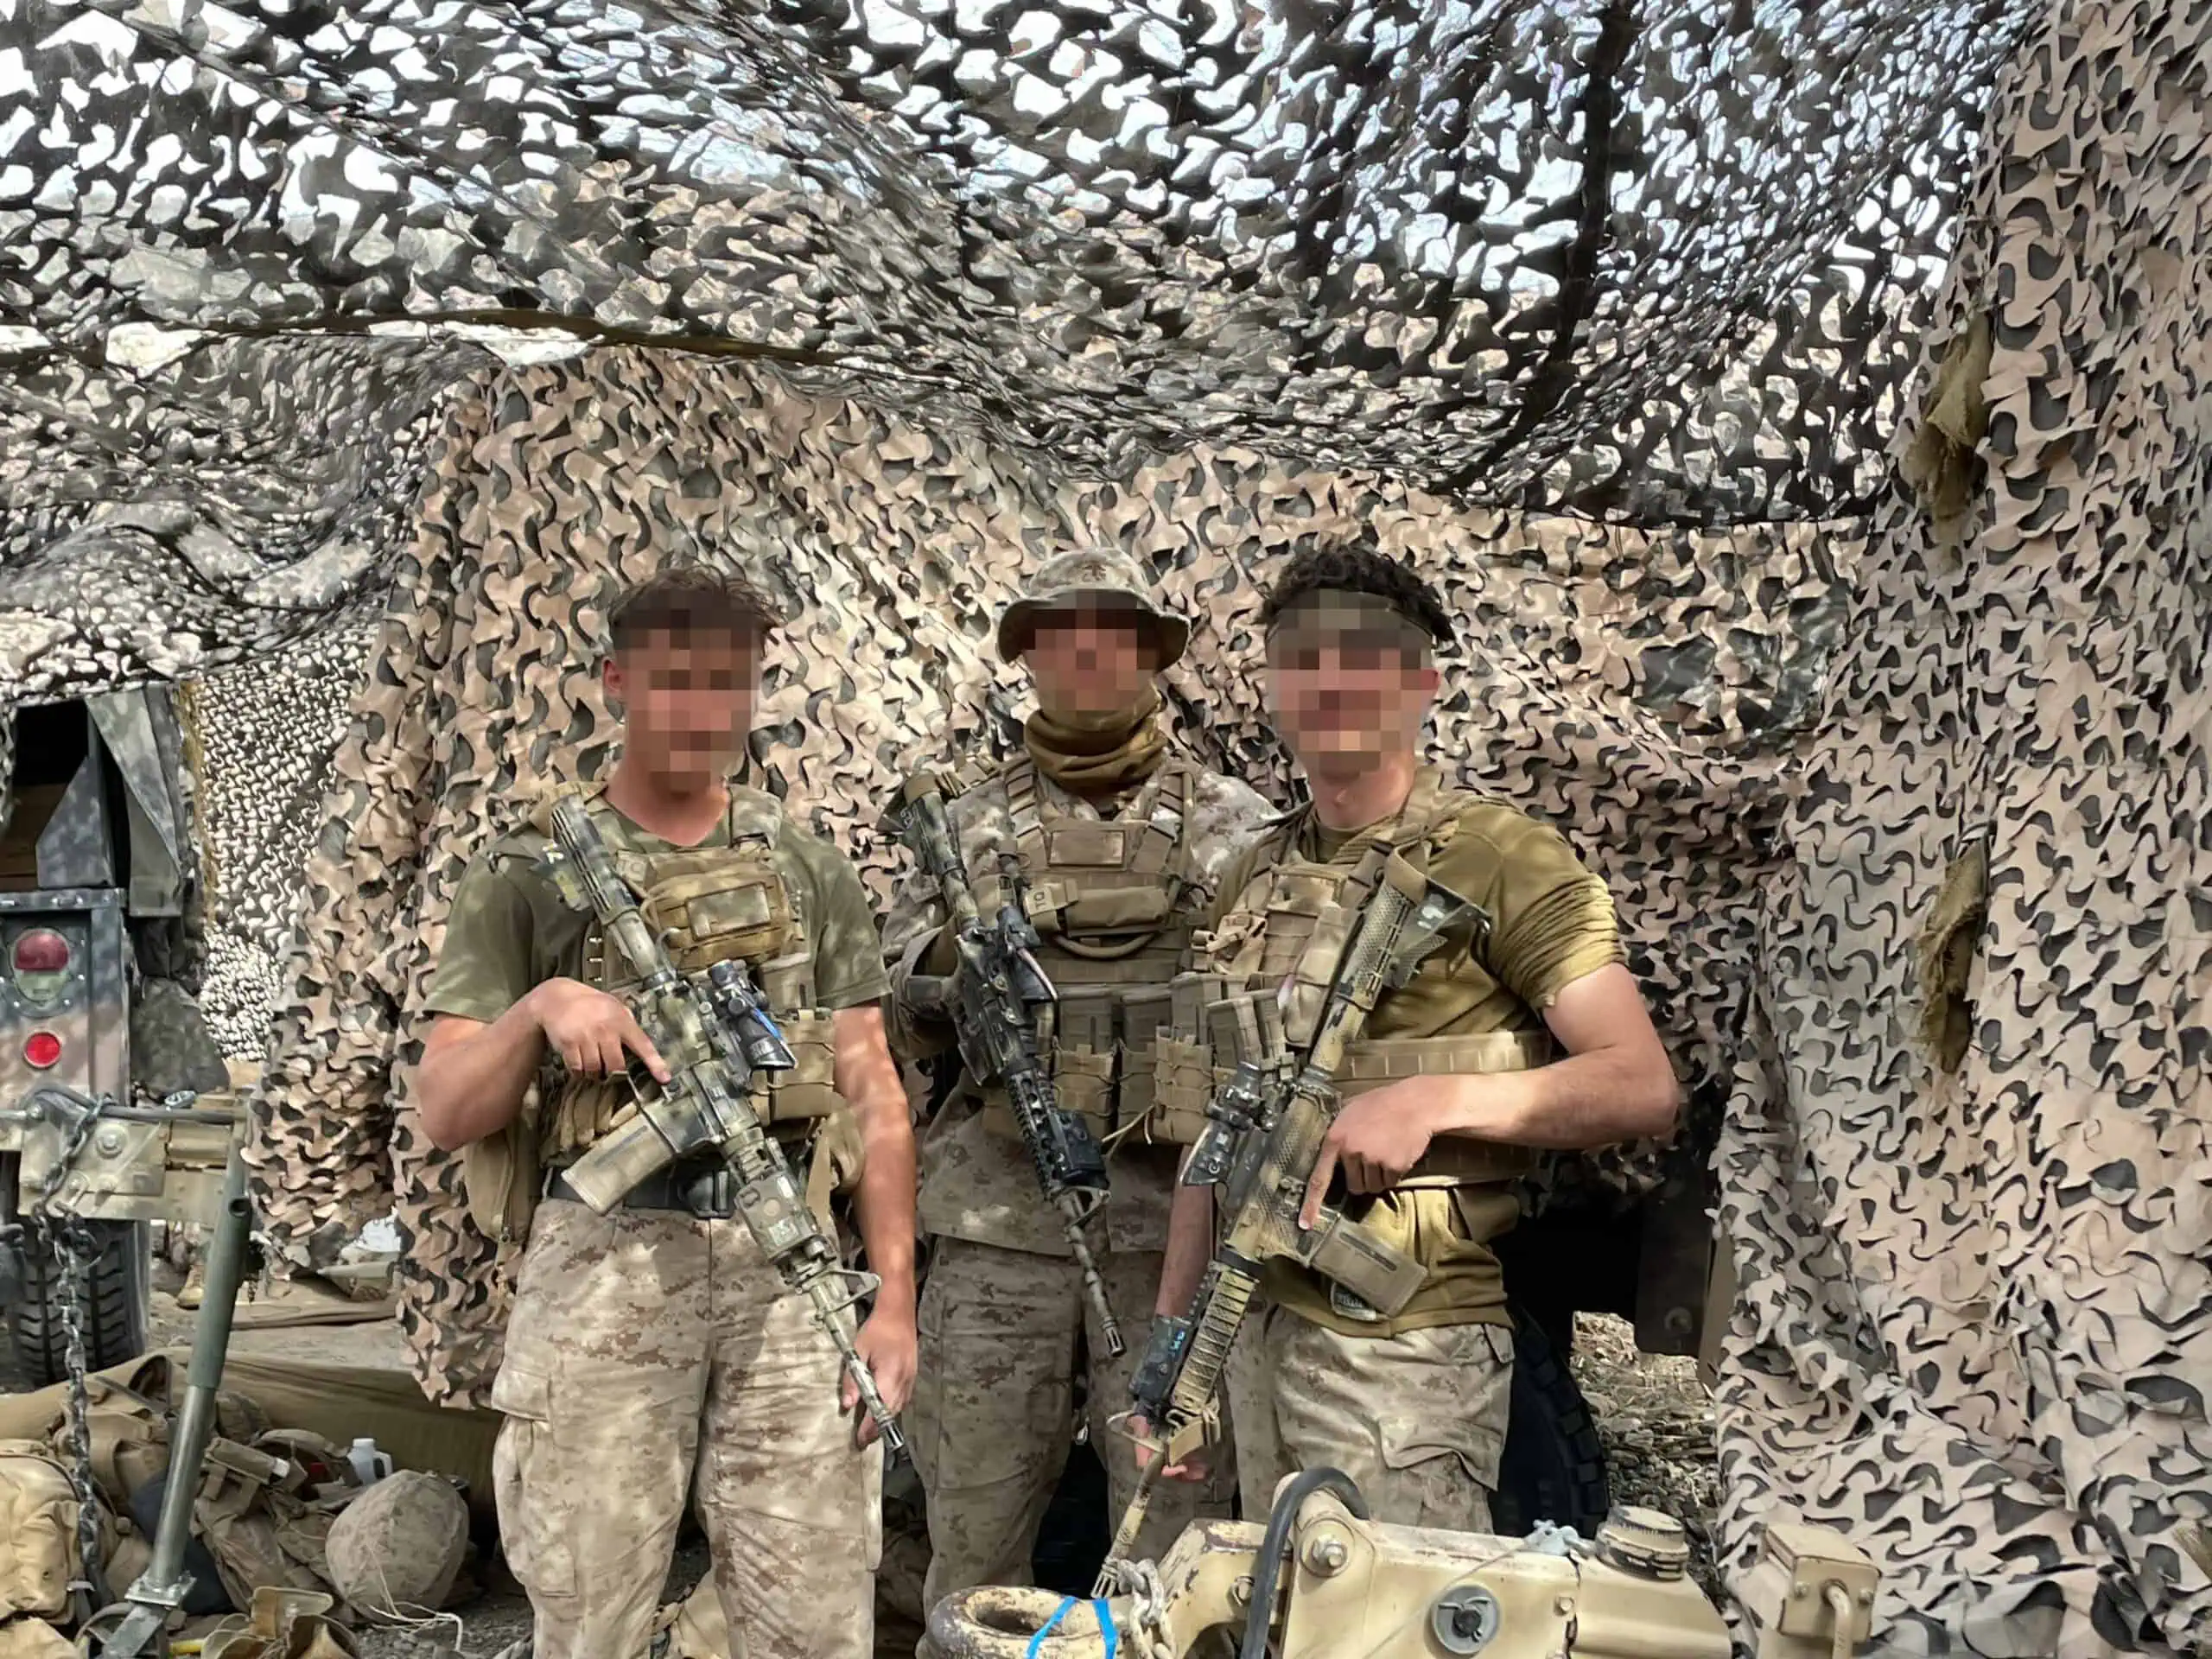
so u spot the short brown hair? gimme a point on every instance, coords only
(691, 600)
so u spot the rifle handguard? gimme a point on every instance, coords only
(1154, 1379)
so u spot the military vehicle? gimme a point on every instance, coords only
(98, 894)
(1320, 1579)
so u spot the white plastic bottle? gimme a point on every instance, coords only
(370, 1465)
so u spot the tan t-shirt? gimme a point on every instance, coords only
(509, 931)
(1551, 923)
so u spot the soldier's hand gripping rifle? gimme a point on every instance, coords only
(1000, 991)
(712, 1037)
(1262, 1138)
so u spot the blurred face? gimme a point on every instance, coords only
(687, 704)
(1350, 682)
(1090, 661)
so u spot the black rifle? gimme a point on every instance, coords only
(1001, 989)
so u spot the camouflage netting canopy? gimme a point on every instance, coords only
(1808, 406)
(1655, 263)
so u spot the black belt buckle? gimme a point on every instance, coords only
(709, 1194)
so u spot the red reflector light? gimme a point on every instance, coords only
(41, 951)
(42, 1049)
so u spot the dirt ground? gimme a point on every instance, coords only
(1653, 1414)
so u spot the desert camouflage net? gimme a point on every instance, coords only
(1651, 261)
(1656, 749)
(1903, 800)
(1975, 1326)
(264, 733)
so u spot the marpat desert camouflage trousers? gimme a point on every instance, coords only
(1417, 1420)
(992, 1406)
(646, 1350)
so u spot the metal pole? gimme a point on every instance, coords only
(161, 1588)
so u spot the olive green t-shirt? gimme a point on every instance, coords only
(1551, 921)
(509, 931)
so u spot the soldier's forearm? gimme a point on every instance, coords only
(1190, 1245)
(869, 1080)
(473, 1077)
(885, 1203)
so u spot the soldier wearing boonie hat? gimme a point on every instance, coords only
(1120, 838)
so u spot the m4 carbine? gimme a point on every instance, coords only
(1262, 1139)
(714, 1036)
(1000, 990)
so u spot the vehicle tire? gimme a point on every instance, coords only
(1554, 1464)
(115, 1306)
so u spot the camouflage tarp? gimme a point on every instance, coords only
(1903, 792)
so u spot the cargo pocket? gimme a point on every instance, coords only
(871, 1541)
(525, 1466)
(809, 1089)
(1442, 1431)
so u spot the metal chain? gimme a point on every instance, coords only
(1149, 1635)
(69, 1242)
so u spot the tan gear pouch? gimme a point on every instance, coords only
(719, 906)
(499, 1175)
(1115, 910)
(809, 1089)
(131, 1441)
(1144, 1021)
(254, 1531)
(1184, 1075)
(1184, 1078)
(1084, 1079)
(834, 1164)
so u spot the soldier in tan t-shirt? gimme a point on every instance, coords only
(652, 1350)
(1525, 1031)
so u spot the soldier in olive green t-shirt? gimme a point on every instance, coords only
(653, 1349)
(509, 931)
(1455, 1079)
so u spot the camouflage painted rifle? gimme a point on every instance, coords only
(1002, 990)
(1261, 1141)
(713, 1038)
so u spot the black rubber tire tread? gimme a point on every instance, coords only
(115, 1326)
(1555, 1464)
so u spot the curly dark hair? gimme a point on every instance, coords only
(1360, 567)
(687, 600)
